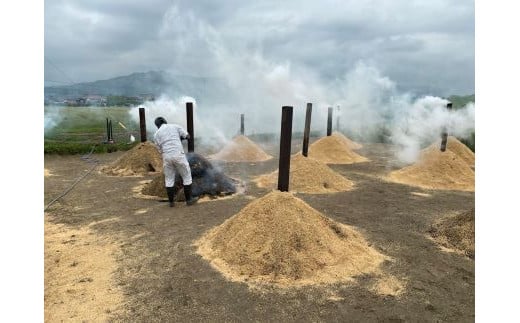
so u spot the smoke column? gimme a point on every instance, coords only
(372, 109)
(52, 117)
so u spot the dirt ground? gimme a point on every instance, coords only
(112, 256)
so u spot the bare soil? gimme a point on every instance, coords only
(111, 255)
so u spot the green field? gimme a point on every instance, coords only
(78, 130)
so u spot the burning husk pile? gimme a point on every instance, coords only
(140, 160)
(350, 143)
(241, 149)
(460, 150)
(279, 239)
(335, 149)
(308, 175)
(449, 170)
(457, 232)
(207, 180)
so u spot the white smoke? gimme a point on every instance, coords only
(368, 104)
(422, 121)
(52, 117)
(174, 111)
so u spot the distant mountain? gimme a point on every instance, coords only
(152, 83)
(155, 83)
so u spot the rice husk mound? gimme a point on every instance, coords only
(457, 232)
(308, 175)
(241, 149)
(437, 170)
(155, 187)
(350, 143)
(458, 148)
(140, 160)
(280, 240)
(334, 149)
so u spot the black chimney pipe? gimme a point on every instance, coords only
(284, 163)
(444, 134)
(329, 122)
(307, 130)
(242, 124)
(142, 124)
(189, 117)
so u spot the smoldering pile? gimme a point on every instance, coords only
(279, 239)
(241, 149)
(351, 144)
(452, 169)
(308, 175)
(207, 181)
(140, 160)
(336, 149)
(457, 232)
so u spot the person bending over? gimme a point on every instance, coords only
(168, 140)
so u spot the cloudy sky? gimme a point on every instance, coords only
(424, 47)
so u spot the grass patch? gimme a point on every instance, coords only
(80, 130)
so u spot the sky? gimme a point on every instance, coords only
(424, 47)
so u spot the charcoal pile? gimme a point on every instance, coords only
(207, 181)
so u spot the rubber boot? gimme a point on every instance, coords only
(171, 194)
(190, 200)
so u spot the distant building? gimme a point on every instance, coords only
(147, 97)
(96, 100)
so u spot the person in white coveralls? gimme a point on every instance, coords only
(168, 140)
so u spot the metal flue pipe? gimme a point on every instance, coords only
(444, 134)
(329, 122)
(189, 119)
(142, 124)
(307, 130)
(285, 149)
(242, 124)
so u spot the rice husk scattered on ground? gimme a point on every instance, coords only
(241, 149)
(280, 240)
(79, 264)
(437, 170)
(456, 232)
(349, 142)
(334, 149)
(138, 161)
(308, 175)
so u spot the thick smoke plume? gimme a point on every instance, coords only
(366, 104)
(174, 111)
